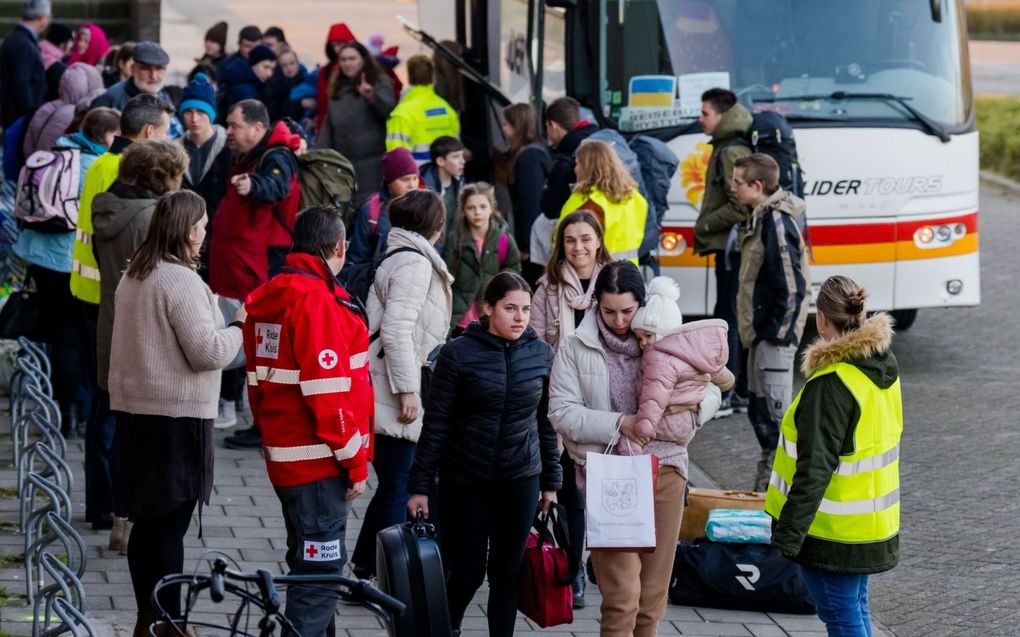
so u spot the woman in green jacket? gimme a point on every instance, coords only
(834, 489)
(478, 248)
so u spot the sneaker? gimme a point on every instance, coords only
(725, 409)
(739, 403)
(227, 416)
(249, 438)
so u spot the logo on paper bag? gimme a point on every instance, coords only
(322, 551)
(267, 340)
(619, 495)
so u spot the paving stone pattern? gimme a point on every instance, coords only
(244, 523)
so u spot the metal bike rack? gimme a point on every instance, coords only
(53, 587)
(66, 585)
(64, 537)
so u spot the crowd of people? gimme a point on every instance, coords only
(492, 347)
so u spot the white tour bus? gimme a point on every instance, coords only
(879, 92)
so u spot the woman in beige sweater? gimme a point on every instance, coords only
(169, 345)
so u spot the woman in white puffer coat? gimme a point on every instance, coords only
(409, 309)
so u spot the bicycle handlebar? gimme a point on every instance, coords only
(357, 590)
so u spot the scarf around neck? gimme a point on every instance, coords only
(572, 297)
(624, 358)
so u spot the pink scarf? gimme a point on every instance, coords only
(571, 297)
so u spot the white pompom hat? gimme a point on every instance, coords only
(660, 315)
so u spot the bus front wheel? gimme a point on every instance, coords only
(904, 319)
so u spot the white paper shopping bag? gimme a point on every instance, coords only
(620, 502)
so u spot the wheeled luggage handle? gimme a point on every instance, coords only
(420, 527)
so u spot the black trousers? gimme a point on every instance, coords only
(573, 501)
(727, 283)
(315, 516)
(61, 331)
(485, 527)
(156, 549)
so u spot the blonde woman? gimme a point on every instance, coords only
(606, 189)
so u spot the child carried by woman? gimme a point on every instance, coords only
(679, 362)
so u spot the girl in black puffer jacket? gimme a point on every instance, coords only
(485, 431)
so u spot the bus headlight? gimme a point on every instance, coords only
(954, 286)
(672, 243)
(940, 236)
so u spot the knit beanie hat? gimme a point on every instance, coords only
(260, 54)
(660, 315)
(218, 33)
(398, 163)
(199, 94)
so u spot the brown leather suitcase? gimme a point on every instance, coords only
(701, 501)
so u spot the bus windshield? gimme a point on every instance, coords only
(882, 61)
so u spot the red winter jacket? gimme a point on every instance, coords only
(306, 346)
(251, 234)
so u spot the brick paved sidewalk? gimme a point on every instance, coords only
(243, 522)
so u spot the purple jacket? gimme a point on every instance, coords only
(79, 85)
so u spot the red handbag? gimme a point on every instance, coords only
(544, 595)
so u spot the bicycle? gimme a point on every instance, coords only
(258, 593)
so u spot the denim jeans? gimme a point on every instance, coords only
(392, 464)
(841, 600)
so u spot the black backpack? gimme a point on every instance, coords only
(357, 278)
(771, 133)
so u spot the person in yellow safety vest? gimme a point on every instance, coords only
(834, 492)
(421, 116)
(606, 188)
(144, 117)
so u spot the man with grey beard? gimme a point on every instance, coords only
(148, 75)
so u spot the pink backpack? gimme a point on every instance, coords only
(47, 196)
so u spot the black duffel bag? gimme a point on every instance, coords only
(753, 577)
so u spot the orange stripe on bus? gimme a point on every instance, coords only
(853, 253)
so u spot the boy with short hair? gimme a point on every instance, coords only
(445, 173)
(773, 297)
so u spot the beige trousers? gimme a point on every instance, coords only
(634, 585)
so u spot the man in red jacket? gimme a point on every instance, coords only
(251, 228)
(306, 347)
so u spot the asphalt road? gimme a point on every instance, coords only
(995, 67)
(958, 570)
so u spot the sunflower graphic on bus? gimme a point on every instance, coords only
(692, 173)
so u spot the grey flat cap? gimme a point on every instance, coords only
(150, 53)
(34, 9)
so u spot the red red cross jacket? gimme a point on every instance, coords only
(306, 350)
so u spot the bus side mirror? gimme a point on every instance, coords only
(936, 10)
(566, 4)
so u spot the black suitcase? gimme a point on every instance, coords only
(408, 567)
(752, 577)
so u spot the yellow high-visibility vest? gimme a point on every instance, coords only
(84, 268)
(862, 502)
(623, 222)
(418, 120)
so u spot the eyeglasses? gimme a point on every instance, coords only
(740, 182)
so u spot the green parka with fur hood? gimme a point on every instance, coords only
(826, 420)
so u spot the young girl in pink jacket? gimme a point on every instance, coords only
(679, 362)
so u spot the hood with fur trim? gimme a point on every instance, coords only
(866, 347)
